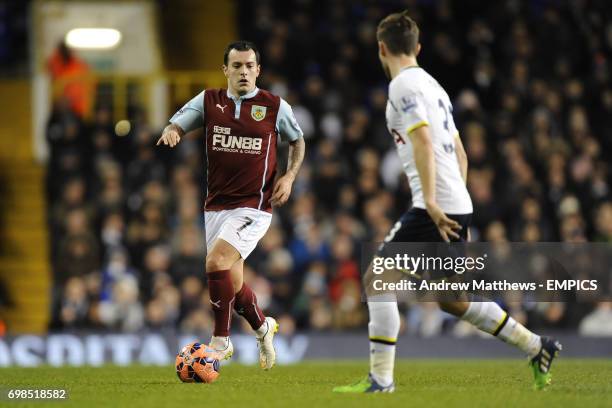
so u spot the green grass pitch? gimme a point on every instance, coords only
(420, 383)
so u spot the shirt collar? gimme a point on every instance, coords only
(409, 67)
(245, 96)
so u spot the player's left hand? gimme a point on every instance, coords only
(446, 226)
(282, 190)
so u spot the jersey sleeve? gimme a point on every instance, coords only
(286, 124)
(410, 103)
(190, 116)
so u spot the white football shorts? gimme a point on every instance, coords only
(241, 227)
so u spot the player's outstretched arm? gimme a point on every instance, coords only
(171, 135)
(282, 189)
(426, 167)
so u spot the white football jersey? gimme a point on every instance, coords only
(417, 99)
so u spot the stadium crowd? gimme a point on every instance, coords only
(532, 94)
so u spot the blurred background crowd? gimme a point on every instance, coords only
(532, 94)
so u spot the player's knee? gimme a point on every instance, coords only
(455, 308)
(447, 307)
(368, 277)
(217, 262)
(367, 281)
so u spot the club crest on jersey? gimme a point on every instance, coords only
(258, 112)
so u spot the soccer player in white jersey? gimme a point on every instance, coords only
(419, 118)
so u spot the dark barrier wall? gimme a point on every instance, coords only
(160, 349)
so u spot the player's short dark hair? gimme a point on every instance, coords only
(399, 32)
(241, 46)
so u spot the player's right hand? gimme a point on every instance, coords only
(169, 137)
(446, 226)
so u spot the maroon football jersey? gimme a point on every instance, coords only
(241, 151)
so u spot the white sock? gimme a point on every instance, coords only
(219, 342)
(263, 329)
(383, 330)
(491, 318)
(518, 335)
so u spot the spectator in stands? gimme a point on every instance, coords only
(122, 310)
(78, 253)
(536, 130)
(74, 311)
(71, 79)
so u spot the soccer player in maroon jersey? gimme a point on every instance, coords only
(241, 125)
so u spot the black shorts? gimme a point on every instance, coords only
(421, 237)
(417, 226)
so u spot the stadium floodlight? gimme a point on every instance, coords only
(93, 38)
